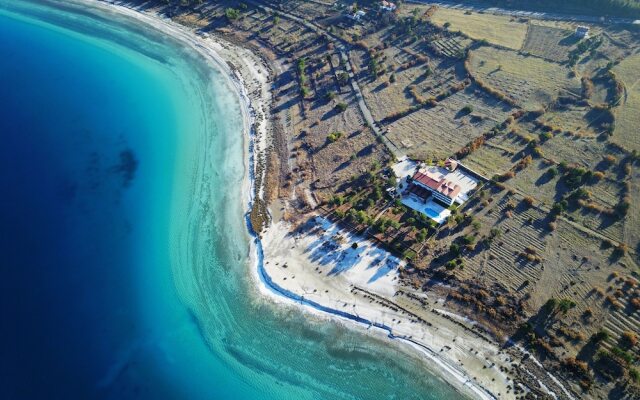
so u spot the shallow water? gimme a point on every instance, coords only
(125, 255)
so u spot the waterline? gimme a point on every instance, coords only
(199, 330)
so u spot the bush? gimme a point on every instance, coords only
(565, 305)
(468, 239)
(600, 336)
(232, 13)
(634, 375)
(628, 339)
(333, 136)
(341, 107)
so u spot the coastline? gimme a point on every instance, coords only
(470, 379)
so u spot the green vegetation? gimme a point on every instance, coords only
(333, 136)
(232, 13)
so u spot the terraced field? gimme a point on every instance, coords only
(502, 261)
(549, 42)
(531, 82)
(578, 119)
(627, 115)
(536, 181)
(452, 47)
(632, 225)
(496, 156)
(585, 151)
(438, 132)
(497, 29)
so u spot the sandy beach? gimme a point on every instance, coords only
(330, 274)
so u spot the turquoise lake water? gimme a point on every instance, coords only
(125, 254)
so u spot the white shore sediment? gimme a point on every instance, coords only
(316, 269)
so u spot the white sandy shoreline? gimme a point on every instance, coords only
(465, 371)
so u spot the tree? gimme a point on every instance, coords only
(232, 13)
(341, 107)
(565, 305)
(330, 95)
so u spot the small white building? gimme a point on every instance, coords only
(388, 6)
(356, 16)
(582, 31)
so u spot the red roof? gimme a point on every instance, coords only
(443, 186)
(426, 180)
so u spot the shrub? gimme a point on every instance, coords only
(468, 239)
(232, 13)
(600, 336)
(628, 339)
(634, 375)
(341, 107)
(565, 305)
(333, 136)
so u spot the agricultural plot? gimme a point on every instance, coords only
(585, 151)
(548, 42)
(529, 81)
(307, 9)
(453, 47)
(578, 119)
(538, 181)
(496, 156)
(497, 29)
(575, 264)
(632, 223)
(627, 115)
(609, 50)
(385, 99)
(502, 262)
(438, 132)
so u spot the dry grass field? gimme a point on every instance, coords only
(496, 29)
(538, 181)
(496, 156)
(585, 151)
(549, 42)
(531, 82)
(627, 115)
(632, 225)
(438, 132)
(502, 262)
(582, 120)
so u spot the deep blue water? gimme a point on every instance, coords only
(124, 252)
